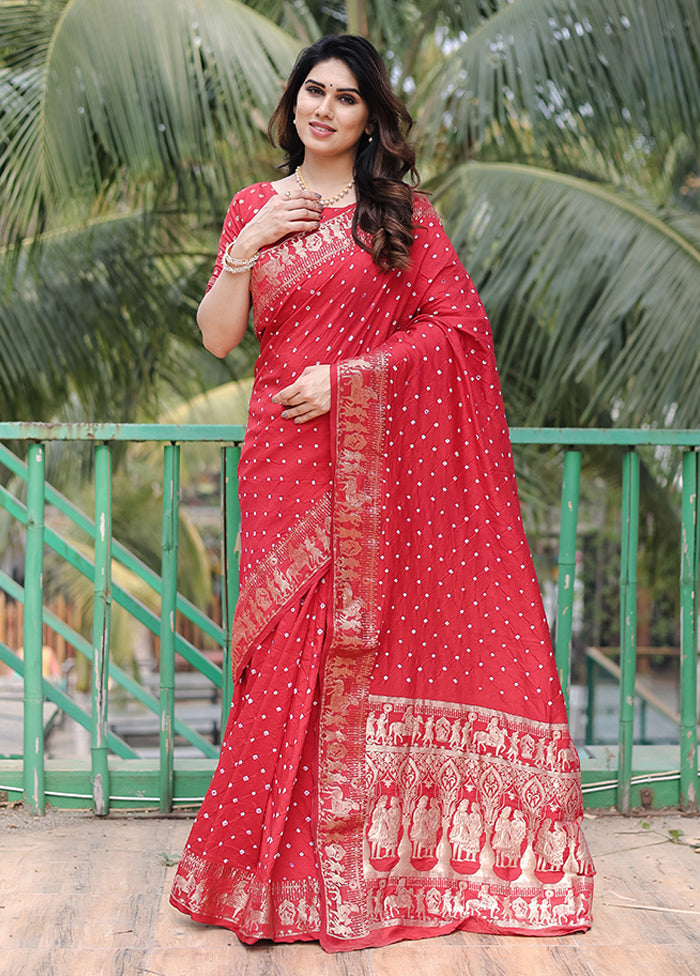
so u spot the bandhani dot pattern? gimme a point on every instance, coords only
(397, 762)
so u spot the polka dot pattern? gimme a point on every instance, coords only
(258, 811)
(461, 615)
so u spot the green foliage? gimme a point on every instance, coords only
(91, 316)
(562, 139)
(124, 130)
(586, 287)
(131, 102)
(569, 83)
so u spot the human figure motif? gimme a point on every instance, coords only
(540, 754)
(509, 833)
(385, 824)
(393, 823)
(376, 440)
(417, 730)
(425, 825)
(382, 727)
(442, 729)
(533, 914)
(466, 832)
(419, 903)
(371, 727)
(409, 720)
(404, 899)
(550, 844)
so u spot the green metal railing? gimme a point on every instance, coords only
(117, 777)
(70, 783)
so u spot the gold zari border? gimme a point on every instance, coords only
(278, 576)
(285, 264)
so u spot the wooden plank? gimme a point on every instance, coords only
(512, 957)
(91, 896)
(68, 962)
(646, 961)
(639, 865)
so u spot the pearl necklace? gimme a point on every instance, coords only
(327, 201)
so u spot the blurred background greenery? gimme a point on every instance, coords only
(560, 140)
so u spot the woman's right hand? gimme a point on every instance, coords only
(290, 211)
(222, 315)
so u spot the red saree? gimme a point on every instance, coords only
(397, 762)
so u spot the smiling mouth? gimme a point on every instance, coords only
(319, 127)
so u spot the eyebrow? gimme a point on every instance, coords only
(311, 81)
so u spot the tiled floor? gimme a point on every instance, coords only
(87, 897)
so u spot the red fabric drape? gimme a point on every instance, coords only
(390, 643)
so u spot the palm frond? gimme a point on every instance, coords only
(135, 94)
(585, 82)
(300, 18)
(585, 287)
(94, 314)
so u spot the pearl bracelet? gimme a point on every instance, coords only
(237, 265)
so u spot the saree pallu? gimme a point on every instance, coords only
(397, 762)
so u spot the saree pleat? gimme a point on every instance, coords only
(250, 863)
(398, 762)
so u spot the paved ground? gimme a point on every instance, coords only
(85, 896)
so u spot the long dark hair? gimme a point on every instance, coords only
(382, 224)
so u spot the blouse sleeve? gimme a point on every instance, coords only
(234, 222)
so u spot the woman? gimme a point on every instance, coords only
(397, 762)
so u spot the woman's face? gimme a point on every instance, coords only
(330, 113)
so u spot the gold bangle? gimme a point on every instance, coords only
(237, 265)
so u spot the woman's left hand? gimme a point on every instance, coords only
(307, 397)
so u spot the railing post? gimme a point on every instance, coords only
(628, 625)
(168, 602)
(34, 793)
(591, 673)
(643, 722)
(102, 603)
(567, 566)
(231, 516)
(690, 554)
